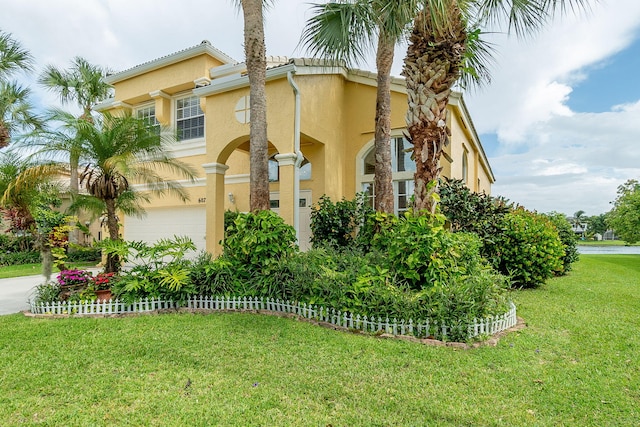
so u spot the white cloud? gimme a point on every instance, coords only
(573, 162)
(532, 79)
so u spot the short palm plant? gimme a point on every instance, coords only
(116, 152)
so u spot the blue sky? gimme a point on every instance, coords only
(560, 121)
(609, 82)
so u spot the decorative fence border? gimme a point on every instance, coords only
(421, 328)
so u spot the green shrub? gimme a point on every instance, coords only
(422, 253)
(19, 258)
(83, 254)
(568, 238)
(528, 248)
(472, 212)
(349, 280)
(339, 224)
(257, 241)
(215, 276)
(157, 271)
(11, 243)
(229, 217)
(47, 293)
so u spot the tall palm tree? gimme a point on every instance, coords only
(256, 60)
(441, 46)
(342, 31)
(117, 152)
(83, 84)
(16, 112)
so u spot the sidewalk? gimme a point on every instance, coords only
(15, 292)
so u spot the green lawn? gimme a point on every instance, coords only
(576, 364)
(34, 269)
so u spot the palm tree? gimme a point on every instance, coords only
(15, 200)
(341, 31)
(16, 112)
(83, 83)
(115, 153)
(256, 60)
(578, 221)
(27, 198)
(13, 57)
(445, 42)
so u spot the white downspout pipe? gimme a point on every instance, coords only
(299, 157)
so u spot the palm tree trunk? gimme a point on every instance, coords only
(113, 262)
(383, 174)
(74, 187)
(47, 262)
(431, 68)
(5, 136)
(255, 53)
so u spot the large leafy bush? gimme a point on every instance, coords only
(257, 241)
(568, 238)
(341, 224)
(508, 235)
(528, 248)
(471, 212)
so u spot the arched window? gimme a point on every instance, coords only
(305, 170)
(402, 169)
(274, 169)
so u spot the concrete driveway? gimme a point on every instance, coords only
(15, 292)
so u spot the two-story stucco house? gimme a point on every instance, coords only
(320, 114)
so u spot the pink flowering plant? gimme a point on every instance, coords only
(74, 279)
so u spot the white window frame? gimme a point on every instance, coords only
(146, 107)
(363, 180)
(178, 119)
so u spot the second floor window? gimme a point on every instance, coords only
(189, 118)
(148, 115)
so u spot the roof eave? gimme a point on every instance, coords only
(202, 48)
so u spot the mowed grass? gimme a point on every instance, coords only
(576, 364)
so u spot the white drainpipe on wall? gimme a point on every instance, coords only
(299, 157)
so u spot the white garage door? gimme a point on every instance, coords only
(169, 222)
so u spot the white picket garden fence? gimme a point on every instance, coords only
(420, 328)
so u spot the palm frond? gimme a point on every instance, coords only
(16, 111)
(340, 31)
(83, 83)
(479, 56)
(13, 56)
